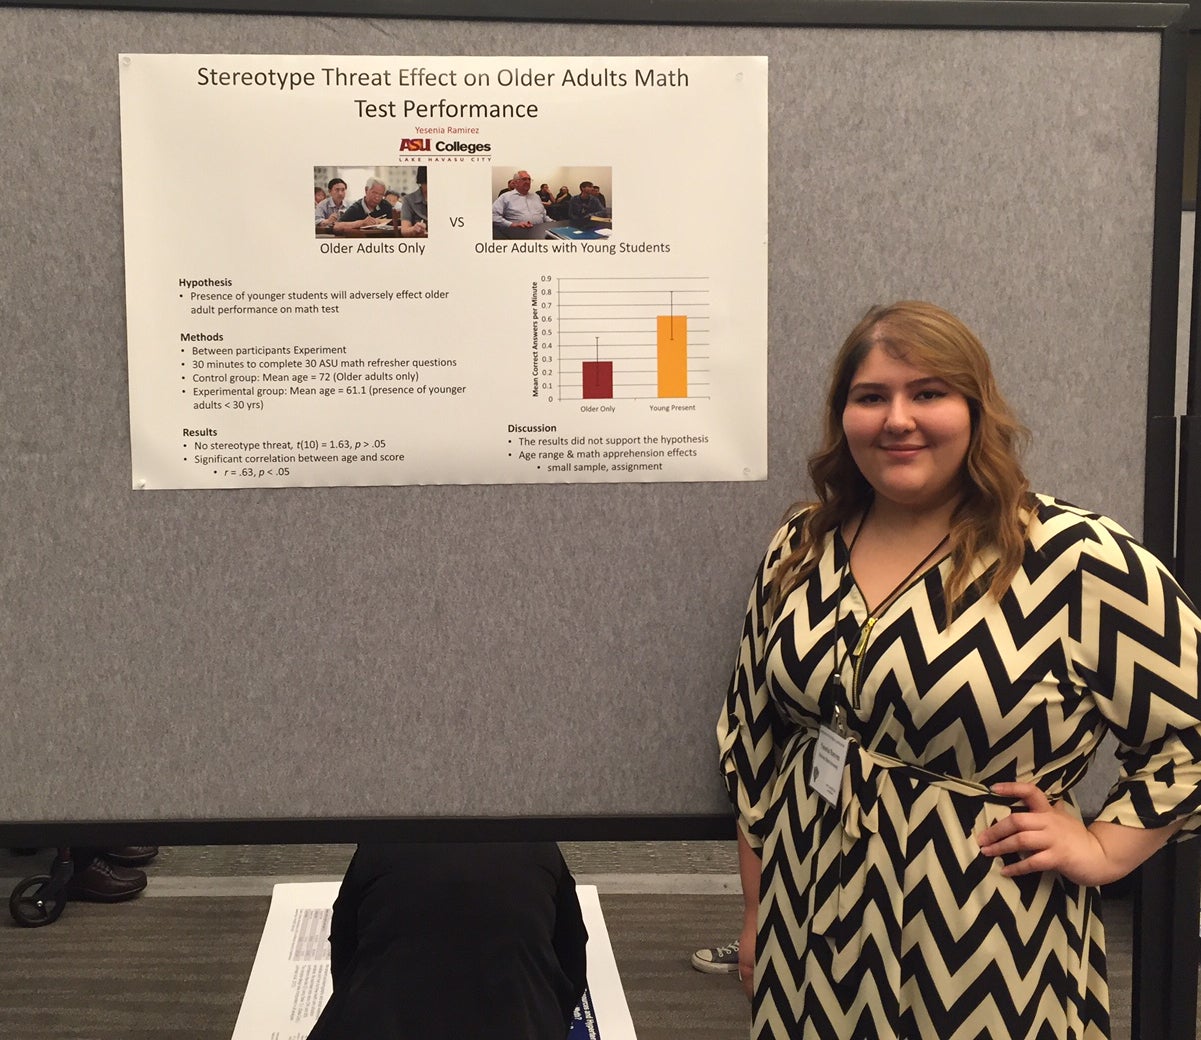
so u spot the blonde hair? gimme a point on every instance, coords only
(996, 507)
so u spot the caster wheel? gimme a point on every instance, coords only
(27, 906)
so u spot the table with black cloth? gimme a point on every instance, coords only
(450, 941)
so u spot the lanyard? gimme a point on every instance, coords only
(836, 693)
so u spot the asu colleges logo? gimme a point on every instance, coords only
(427, 145)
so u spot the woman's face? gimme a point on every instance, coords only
(908, 431)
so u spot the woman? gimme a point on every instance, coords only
(930, 657)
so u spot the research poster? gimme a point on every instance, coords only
(444, 270)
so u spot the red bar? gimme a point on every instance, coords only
(598, 380)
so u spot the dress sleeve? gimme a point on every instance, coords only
(749, 727)
(1139, 651)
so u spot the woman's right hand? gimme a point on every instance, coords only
(746, 957)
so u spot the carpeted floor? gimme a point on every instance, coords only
(174, 962)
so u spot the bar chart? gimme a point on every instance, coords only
(630, 338)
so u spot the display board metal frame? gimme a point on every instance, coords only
(1165, 959)
(878, 14)
(1159, 517)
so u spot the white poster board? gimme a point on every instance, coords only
(621, 339)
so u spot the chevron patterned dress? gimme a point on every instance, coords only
(880, 919)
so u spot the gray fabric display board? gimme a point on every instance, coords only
(288, 657)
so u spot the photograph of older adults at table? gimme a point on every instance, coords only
(388, 193)
(520, 212)
(931, 656)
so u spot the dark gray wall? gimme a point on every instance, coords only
(533, 650)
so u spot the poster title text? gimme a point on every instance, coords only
(419, 76)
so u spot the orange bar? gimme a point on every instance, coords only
(672, 347)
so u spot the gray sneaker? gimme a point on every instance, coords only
(717, 960)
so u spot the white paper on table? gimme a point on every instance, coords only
(604, 984)
(290, 980)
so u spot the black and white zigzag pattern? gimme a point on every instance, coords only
(879, 918)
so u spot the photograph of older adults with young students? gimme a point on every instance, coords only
(370, 200)
(567, 202)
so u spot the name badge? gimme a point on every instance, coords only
(829, 759)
